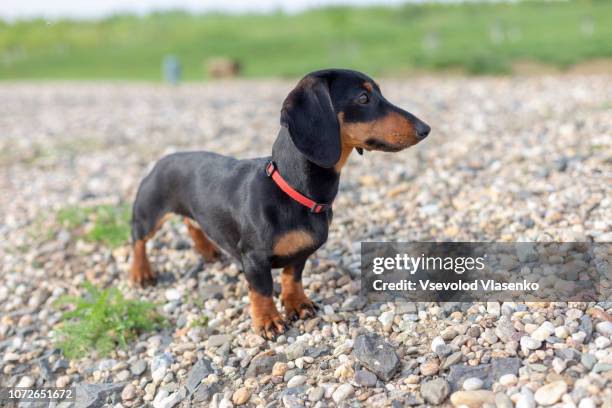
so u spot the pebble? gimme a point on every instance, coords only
(508, 380)
(129, 392)
(525, 399)
(472, 384)
(241, 396)
(472, 399)
(550, 393)
(316, 394)
(604, 328)
(586, 403)
(138, 367)
(342, 392)
(296, 381)
(530, 343)
(435, 391)
(365, 378)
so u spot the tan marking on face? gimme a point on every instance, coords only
(293, 242)
(393, 129)
(368, 86)
(344, 155)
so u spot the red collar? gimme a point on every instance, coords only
(314, 207)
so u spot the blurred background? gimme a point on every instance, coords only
(196, 40)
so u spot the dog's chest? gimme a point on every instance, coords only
(297, 241)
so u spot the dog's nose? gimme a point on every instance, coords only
(422, 130)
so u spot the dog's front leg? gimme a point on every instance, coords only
(267, 321)
(297, 304)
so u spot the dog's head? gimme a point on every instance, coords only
(334, 110)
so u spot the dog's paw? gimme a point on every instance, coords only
(299, 307)
(267, 321)
(270, 326)
(142, 277)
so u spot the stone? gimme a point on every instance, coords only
(472, 399)
(279, 369)
(263, 363)
(503, 401)
(123, 375)
(376, 355)
(488, 373)
(550, 393)
(472, 384)
(604, 328)
(452, 359)
(437, 341)
(296, 350)
(342, 392)
(508, 380)
(530, 343)
(559, 365)
(543, 332)
(25, 382)
(296, 381)
(217, 340)
(586, 403)
(586, 326)
(386, 318)
(315, 394)
(588, 360)
(167, 402)
(129, 392)
(173, 295)
(525, 399)
(241, 396)
(435, 391)
(200, 370)
(430, 367)
(601, 367)
(94, 395)
(138, 367)
(365, 378)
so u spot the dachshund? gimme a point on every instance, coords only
(275, 211)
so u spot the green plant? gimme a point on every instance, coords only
(102, 320)
(109, 224)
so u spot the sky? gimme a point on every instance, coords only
(53, 9)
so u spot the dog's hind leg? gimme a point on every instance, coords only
(148, 215)
(203, 244)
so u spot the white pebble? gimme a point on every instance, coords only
(472, 384)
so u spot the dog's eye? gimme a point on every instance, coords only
(363, 98)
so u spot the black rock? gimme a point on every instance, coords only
(263, 363)
(488, 373)
(205, 392)
(376, 355)
(317, 351)
(95, 395)
(586, 325)
(202, 369)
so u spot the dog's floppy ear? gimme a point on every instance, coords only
(309, 116)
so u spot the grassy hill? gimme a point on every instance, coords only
(479, 38)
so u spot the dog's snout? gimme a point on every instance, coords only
(422, 130)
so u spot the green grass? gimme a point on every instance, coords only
(479, 38)
(106, 224)
(101, 320)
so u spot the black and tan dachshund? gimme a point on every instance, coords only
(275, 211)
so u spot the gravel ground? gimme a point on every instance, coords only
(509, 159)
